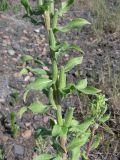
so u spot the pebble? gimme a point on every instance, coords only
(18, 149)
(2, 100)
(11, 52)
(37, 30)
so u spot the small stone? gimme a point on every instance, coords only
(16, 46)
(37, 30)
(11, 52)
(27, 78)
(2, 100)
(18, 149)
(3, 138)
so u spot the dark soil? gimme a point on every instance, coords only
(101, 66)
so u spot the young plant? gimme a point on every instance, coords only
(70, 139)
(1, 154)
(13, 124)
(4, 4)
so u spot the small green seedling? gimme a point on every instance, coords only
(71, 140)
(4, 4)
(1, 154)
(13, 124)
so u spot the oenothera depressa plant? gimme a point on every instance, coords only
(70, 139)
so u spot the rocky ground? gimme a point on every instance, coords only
(101, 66)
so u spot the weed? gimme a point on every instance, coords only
(13, 124)
(69, 137)
(1, 154)
(104, 15)
(4, 5)
(16, 8)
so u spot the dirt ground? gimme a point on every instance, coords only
(101, 66)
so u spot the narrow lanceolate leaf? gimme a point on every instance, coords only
(72, 63)
(81, 84)
(43, 157)
(52, 39)
(75, 47)
(90, 90)
(83, 126)
(79, 141)
(26, 58)
(22, 111)
(62, 79)
(38, 107)
(51, 99)
(37, 71)
(65, 6)
(39, 84)
(105, 118)
(27, 6)
(78, 22)
(96, 142)
(25, 95)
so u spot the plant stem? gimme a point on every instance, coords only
(91, 141)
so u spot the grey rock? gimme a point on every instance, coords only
(11, 52)
(18, 149)
(4, 88)
(16, 46)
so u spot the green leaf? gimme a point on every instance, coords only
(43, 132)
(27, 6)
(24, 71)
(90, 90)
(38, 107)
(108, 129)
(39, 84)
(25, 95)
(82, 84)
(43, 157)
(74, 122)
(52, 39)
(57, 158)
(104, 118)
(68, 89)
(72, 63)
(64, 46)
(83, 126)
(97, 140)
(79, 141)
(76, 153)
(22, 111)
(75, 47)
(26, 58)
(57, 130)
(78, 22)
(37, 71)
(65, 6)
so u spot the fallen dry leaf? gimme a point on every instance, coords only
(27, 134)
